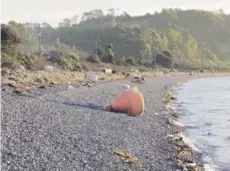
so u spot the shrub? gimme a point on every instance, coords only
(9, 38)
(9, 61)
(121, 61)
(94, 59)
(39, 63)
(74, 56)
(4, 71)
(164, 60)
(85, 67)
(69, 61)
(130, 61)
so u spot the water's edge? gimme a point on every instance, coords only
(188, 157)
(204, 157)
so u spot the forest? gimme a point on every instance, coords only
(173, 38)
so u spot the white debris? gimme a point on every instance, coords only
(22, 68)
(125, 86)
(106, 70)
(94, 78)
(135, 70)
(50, 68)
(70, 87)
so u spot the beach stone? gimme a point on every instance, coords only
(185, 156)
(173, 98)
(38, 80)
(53, 115)
(42, 86)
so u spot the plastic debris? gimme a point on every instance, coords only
(50, 68)
(129, 158)
(94, 78)
(125, 86)
(123, 154)
(70, 87)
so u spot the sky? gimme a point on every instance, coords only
(54, 11)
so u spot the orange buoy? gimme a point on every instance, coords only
(128, 101)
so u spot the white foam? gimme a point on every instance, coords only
(209, 167)
(177, 123)
(190, 142)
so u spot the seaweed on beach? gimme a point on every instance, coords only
(185, 155)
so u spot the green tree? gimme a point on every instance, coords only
(65, 23)
(9, 38)
(109, 55)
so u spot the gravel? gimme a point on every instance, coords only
(68, 129)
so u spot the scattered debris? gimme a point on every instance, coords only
(42, 86)
(135, 70)
(11, 85)
(138, 80)
(185, 156)
(17, 91)
(49, 68)
(88, 84)
(5, 71)
(156, 113)
(94, 78)
(70, 87)
(187, 166)
(125, 86)
(127, 75)
(173, 98)
(13, 79)
(52, 83)
(129, 158)
(114, 71)
(38, 80)
(22, 68)
(106, 71)
(102, 78)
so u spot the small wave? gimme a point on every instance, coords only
(228, 138)
(209, 167)
(207, 133)
(192, 126)
(209, 113)
(177, 123)
(209, 164)
(190, 142)
(207, 124)
(161, 113)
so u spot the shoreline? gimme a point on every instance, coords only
(98, 133)
(22, 81)
(185, 150)
(187, 157)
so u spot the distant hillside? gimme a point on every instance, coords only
(175, 38)
(212, 30)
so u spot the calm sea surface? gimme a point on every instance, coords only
(204, 109)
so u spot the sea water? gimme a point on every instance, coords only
(204, 110)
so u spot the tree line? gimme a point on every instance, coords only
(176, 38)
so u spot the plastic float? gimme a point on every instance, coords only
(129, 101)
